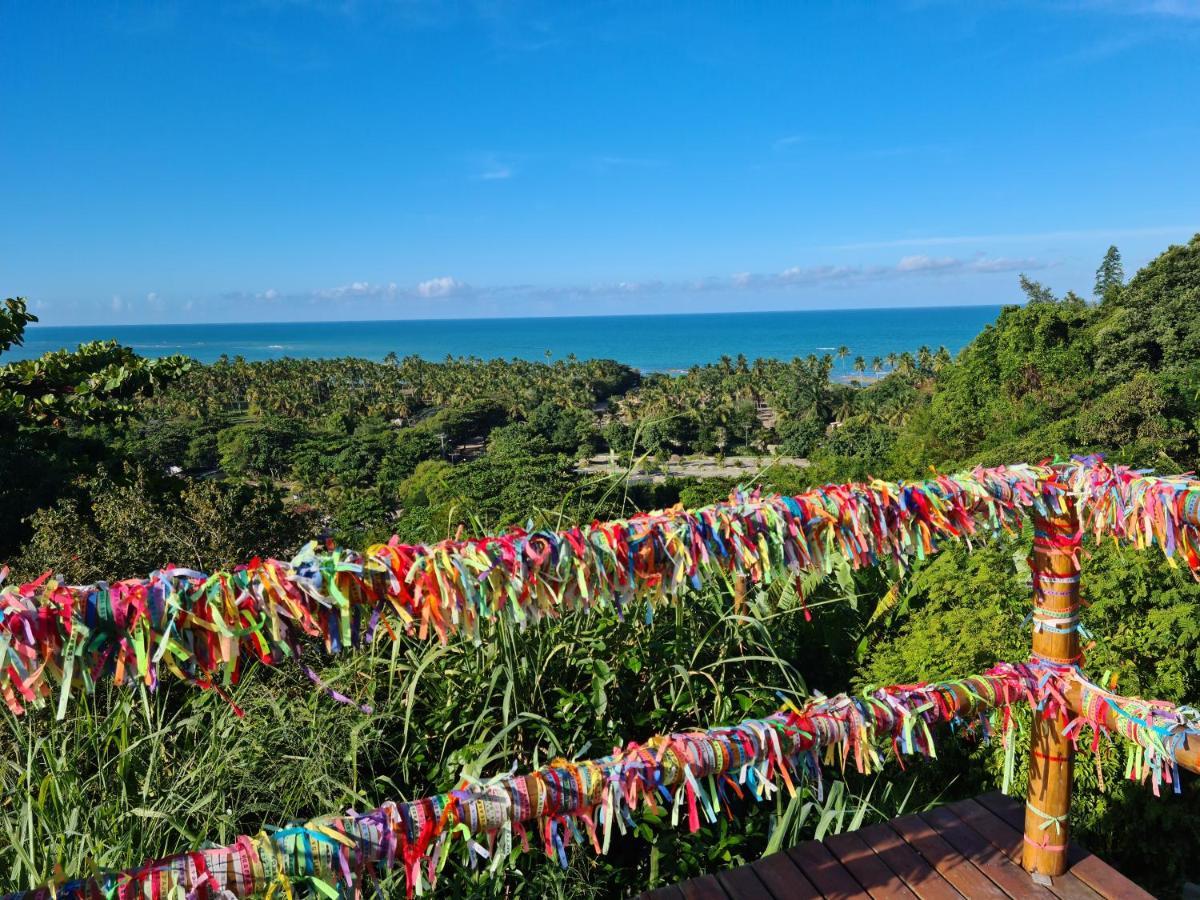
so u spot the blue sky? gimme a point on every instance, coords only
(274, 160)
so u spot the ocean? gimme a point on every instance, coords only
(655, 343)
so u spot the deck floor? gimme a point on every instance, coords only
(967, 849)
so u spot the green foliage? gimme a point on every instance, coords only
(870, 444)
(13, 319)
(1110, 276)
(573, 688)
(1035, 291)
(357, 450)
(258, 449)
(800, 436)
(715, 409)
(100, 381)
(1154, 322)
(126, 524)
(47, 406)
(564, 429)
(960, 612)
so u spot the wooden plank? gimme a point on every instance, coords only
(1006, 808)
(971, 848)
(1008, 840)
(1087, 867)
(742, 882)
(950, 864)
(918, 874)
(1003, 836)
(1090, 869)
(824, 871)
(867, 868)
(784, 879)
(703, 888)
(1107, 881)
(670, 892)
(1010, 878)
(1012, 811)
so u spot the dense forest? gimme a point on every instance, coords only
(114, 465)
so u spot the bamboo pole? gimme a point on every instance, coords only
(1055, 566)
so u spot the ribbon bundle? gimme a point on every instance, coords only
(199, 626)
(1158, 733)
(696, 774)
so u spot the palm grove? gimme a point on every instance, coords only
(115, 465)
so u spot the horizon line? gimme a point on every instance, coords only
(37, 326)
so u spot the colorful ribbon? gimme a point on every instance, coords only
(203, 627)
(695, 775)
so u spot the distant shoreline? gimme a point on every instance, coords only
(651, 343)
(37, 326)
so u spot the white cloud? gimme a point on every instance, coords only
(440, 287)
(631, 287)
(118, 305)
(812, 275)
(1170, 9)
(152, 297)
(921, 263)
(1005, 264)
(907, 267)
(1107, 234)
(791, 140)
(602, 164)
(358, 289)
(793, 277)
(493, 166)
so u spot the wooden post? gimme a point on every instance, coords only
(1055, 566)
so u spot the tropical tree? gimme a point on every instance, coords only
(1035, 292)
(1110, 276)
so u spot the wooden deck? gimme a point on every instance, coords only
(967, 849)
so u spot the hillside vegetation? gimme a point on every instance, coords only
(115, 465)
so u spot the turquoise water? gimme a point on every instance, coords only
(650, 343)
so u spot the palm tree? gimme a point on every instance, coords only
(924, 359)
(844, 410)
(895, 413)
(941, 359)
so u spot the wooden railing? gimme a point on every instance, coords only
(1056, 568)
(456, 586)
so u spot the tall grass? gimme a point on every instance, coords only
(130, 775)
